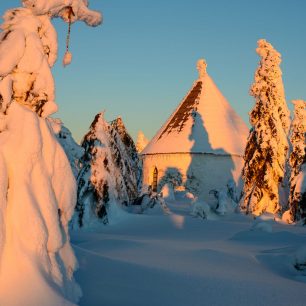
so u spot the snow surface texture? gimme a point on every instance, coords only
(108, 176)
(176, 259)
(73, 151)
(36, 206)
(267, 147)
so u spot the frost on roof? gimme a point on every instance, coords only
(187, 107)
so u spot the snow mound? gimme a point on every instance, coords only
(116, 214)
(189, 196)
(200, 209)
(183, 195)
(151, 203)
(168, 192)
(262, 227)
(300, 259)
(287, 217)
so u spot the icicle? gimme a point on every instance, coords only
(68, 55)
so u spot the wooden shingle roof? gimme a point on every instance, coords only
(204, 122)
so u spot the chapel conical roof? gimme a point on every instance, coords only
(204, 122)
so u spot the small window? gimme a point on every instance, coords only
(155, 179)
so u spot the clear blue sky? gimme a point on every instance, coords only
(141, 62)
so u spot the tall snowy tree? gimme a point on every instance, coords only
(37, 186)
(297, 210)
(132, 161)
(141, 142)
(300, 191)
(267, 145)
(107, 175)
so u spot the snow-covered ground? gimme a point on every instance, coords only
(180, 260)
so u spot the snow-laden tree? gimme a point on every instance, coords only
(73, 150)
(132, 167)
(298, 205)
(267, 145)
(37, 186)
(141, 142)
(106, 178)
(297, 210)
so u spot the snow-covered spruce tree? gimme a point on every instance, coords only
(297, 210)
(106, 177)
(132, 170)
(267, 145)
(300, 193)
(141, 142)
(95, 178)
(73, 150)
(37, 187)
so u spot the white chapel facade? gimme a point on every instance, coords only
(202, 143)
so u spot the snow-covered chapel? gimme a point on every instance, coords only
(200, 146)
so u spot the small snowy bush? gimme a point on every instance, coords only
(200, 209)
(233, 191)
(192, 184)
(225, 204)
(172, 177)
(150, 203)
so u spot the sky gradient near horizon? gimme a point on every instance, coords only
(142, 61)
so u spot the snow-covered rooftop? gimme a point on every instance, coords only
(204, 122)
